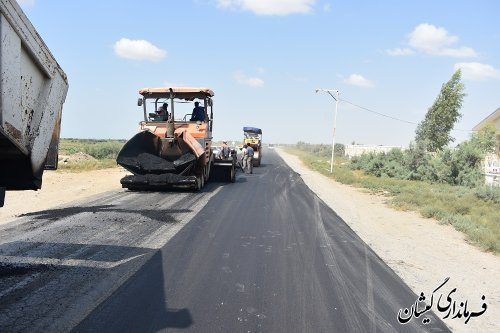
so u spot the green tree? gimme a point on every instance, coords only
(485, 139)
(434, 131)
(466, 166)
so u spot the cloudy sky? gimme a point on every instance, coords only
(265, 58)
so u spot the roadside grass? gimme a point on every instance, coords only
(99, 149)
(470, 211)
(88, 154)
(89, 165)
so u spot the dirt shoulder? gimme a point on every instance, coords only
(421, 251)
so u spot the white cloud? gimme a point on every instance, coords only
(399, 52)
(269, 7)
(434, 40)
(358, 80)
(477, 72)
(138, 50)
(428, 37)
(249, 81)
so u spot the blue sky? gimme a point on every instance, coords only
(265, 58)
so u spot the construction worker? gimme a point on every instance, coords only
(244, 157)
(198, 112)
(250, 152)
(162, 112)
(225, 151)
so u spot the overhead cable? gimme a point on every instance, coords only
(394, 118)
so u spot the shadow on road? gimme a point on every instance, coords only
(140, 305)
(163, 215)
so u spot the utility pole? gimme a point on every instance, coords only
(329, 92)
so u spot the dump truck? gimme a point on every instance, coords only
(172, 151)
(253, 136)
(33, 91)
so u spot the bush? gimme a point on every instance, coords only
(460, 166)
(433, 212)
(487, 193)
(466, 164)
(439, 169)
(104, 150)
(321, 149)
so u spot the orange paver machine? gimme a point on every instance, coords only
(171, 151)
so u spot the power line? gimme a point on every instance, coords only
(380, 114)
(394, 118)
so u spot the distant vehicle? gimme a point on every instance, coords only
(253, 136)
(271, 146)
(33, 90)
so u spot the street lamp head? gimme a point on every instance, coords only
(327, 90)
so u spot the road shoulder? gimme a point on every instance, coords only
(421, 251)
(60, 188)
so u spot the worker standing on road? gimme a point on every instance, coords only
(250, 152)
(244, 158)
(225, 151)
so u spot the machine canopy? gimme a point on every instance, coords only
(252, 129)
(186, 93)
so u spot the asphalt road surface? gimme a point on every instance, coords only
(264, 254)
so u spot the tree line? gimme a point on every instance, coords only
(429, 157)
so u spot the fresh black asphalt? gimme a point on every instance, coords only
(263, 255)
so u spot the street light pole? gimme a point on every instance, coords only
(330, 91)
